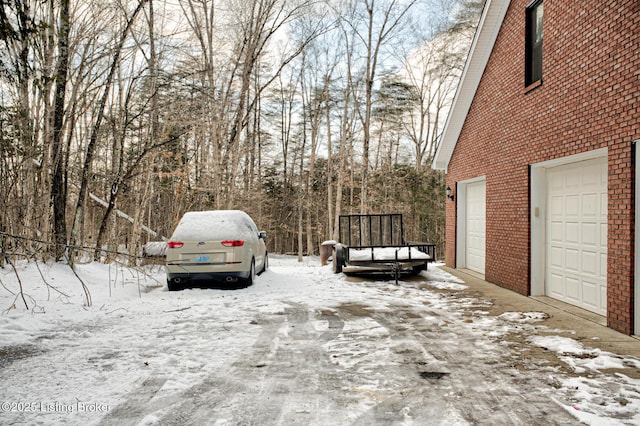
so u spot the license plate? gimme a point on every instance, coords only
(202, 259)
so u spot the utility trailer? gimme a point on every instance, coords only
(375, 244)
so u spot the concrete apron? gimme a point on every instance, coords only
(570, 321)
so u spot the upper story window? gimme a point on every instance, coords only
(533, 56)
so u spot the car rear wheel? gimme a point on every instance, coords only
(265, 264)
(252, 274)
(173, 286)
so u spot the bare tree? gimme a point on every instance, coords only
(433, 72)
(78, 221)
(381, 22)
(231, 56)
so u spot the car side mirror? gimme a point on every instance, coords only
(262, 234)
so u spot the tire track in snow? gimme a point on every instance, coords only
(482, 387)
(288, 372)
(134, 408)
(283, 380)
(388, 364)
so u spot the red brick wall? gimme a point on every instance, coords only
(589, 99)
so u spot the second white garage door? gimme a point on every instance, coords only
(475, 225)
(576, 234)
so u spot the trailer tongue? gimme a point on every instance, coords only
(375, 244)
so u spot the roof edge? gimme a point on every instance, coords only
(483, 41)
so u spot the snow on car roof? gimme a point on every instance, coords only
(214, 225)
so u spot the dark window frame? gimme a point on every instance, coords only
(534, 42)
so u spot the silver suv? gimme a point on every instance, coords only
(217, 246)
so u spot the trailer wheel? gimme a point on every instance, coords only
(338, 259)
(420, 268)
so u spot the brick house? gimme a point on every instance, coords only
(540, 154)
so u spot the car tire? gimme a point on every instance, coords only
(252, 274)
(265, 264)
(173, 286)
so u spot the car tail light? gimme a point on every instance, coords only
(232, 243)
(175, 244)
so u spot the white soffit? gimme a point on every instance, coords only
(481, 47)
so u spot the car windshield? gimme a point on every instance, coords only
(214, 225)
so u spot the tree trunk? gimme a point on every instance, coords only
(330, 173)
(58, 183)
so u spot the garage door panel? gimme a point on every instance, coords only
(556, 182)
(474, 244)
(557, 257)
(573, 180)
(590, 264)
(590, 234)
(591, 181)
(573, 288)
(590, 294)
(556, 286)
(557, 207)
(591, 205)
(573, 233)
(558, 230)
(572, 205)
(572, 260)
(576, 258)
(475, 262)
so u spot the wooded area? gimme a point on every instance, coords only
(118, 117)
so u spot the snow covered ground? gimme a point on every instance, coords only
(301, 346)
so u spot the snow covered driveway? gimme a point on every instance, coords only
(302, 346)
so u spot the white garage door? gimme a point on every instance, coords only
(576, 234)
(475, 226)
